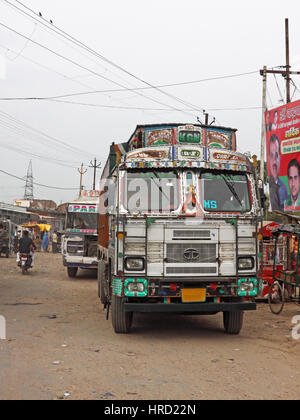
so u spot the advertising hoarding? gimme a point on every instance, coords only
(283, 156)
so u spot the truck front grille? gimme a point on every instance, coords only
(191, 270)
(191, 234)
(191, 253)
(75, 248)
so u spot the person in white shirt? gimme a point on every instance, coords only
(54, 242)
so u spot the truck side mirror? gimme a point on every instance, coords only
(262, 198)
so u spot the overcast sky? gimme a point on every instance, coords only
(160, 42)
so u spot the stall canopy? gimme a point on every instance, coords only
(287, 230)
(42, 227)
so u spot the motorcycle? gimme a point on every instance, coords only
(25, 262)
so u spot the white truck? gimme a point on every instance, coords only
(79, 248)
(178, 226)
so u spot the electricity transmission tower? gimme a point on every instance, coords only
(28, 195)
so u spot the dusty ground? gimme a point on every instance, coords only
(165, 357)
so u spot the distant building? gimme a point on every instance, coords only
(62, 208)
(17, 214)
(36, 204)
(22, 203)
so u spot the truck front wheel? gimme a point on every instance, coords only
(233, 321)
(121, 320)
(72, 272)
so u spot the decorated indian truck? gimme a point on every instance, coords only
(178, 225)
(79, 247)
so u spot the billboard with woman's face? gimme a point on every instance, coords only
(283, 156)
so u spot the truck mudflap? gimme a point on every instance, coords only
(209, 307)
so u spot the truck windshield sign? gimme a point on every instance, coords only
(83, 208)
(190, 137)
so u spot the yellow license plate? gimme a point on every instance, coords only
(193, 295)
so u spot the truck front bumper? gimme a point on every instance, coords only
(80, 262)
(208, 307)
(80, 265)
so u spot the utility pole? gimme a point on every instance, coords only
(263, 126)
(287, 56)
(81, 172)
(95, 166)
(207, 118)
(286, 73)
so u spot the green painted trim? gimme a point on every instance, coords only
(117, 287)
(136, 294)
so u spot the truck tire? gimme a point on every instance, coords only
(72, 272)
(121, 320)
(233, 321)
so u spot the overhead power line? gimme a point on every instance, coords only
(148, 109)
(16, 124)
(47, 159)
(36, 183)
(129, 89)
(72, 39)
(81, 66)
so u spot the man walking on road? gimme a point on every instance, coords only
(54, 242)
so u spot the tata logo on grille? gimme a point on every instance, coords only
(191, 254)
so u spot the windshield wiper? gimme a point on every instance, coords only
(232, 189)
(159, 186)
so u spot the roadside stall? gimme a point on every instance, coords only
(268, 253)
(37, 232)
(5, 238)
(286, 279)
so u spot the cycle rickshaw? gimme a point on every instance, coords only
(286, 279)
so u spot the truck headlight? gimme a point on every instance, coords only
(136, 287)
(134, 264)
(246, 263)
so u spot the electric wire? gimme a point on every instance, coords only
(21, 125)
(47, 159)
(38, 184)
(148, 109)
(83, 67)
(26, 43)
(127, 89)
(82, 45)
(59, 35)
(282, 100)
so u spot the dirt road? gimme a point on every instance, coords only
(59, 345)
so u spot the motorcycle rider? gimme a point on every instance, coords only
(26, 246)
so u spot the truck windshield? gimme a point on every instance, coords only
(82, 221)
(151, 191)
(225, 192)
